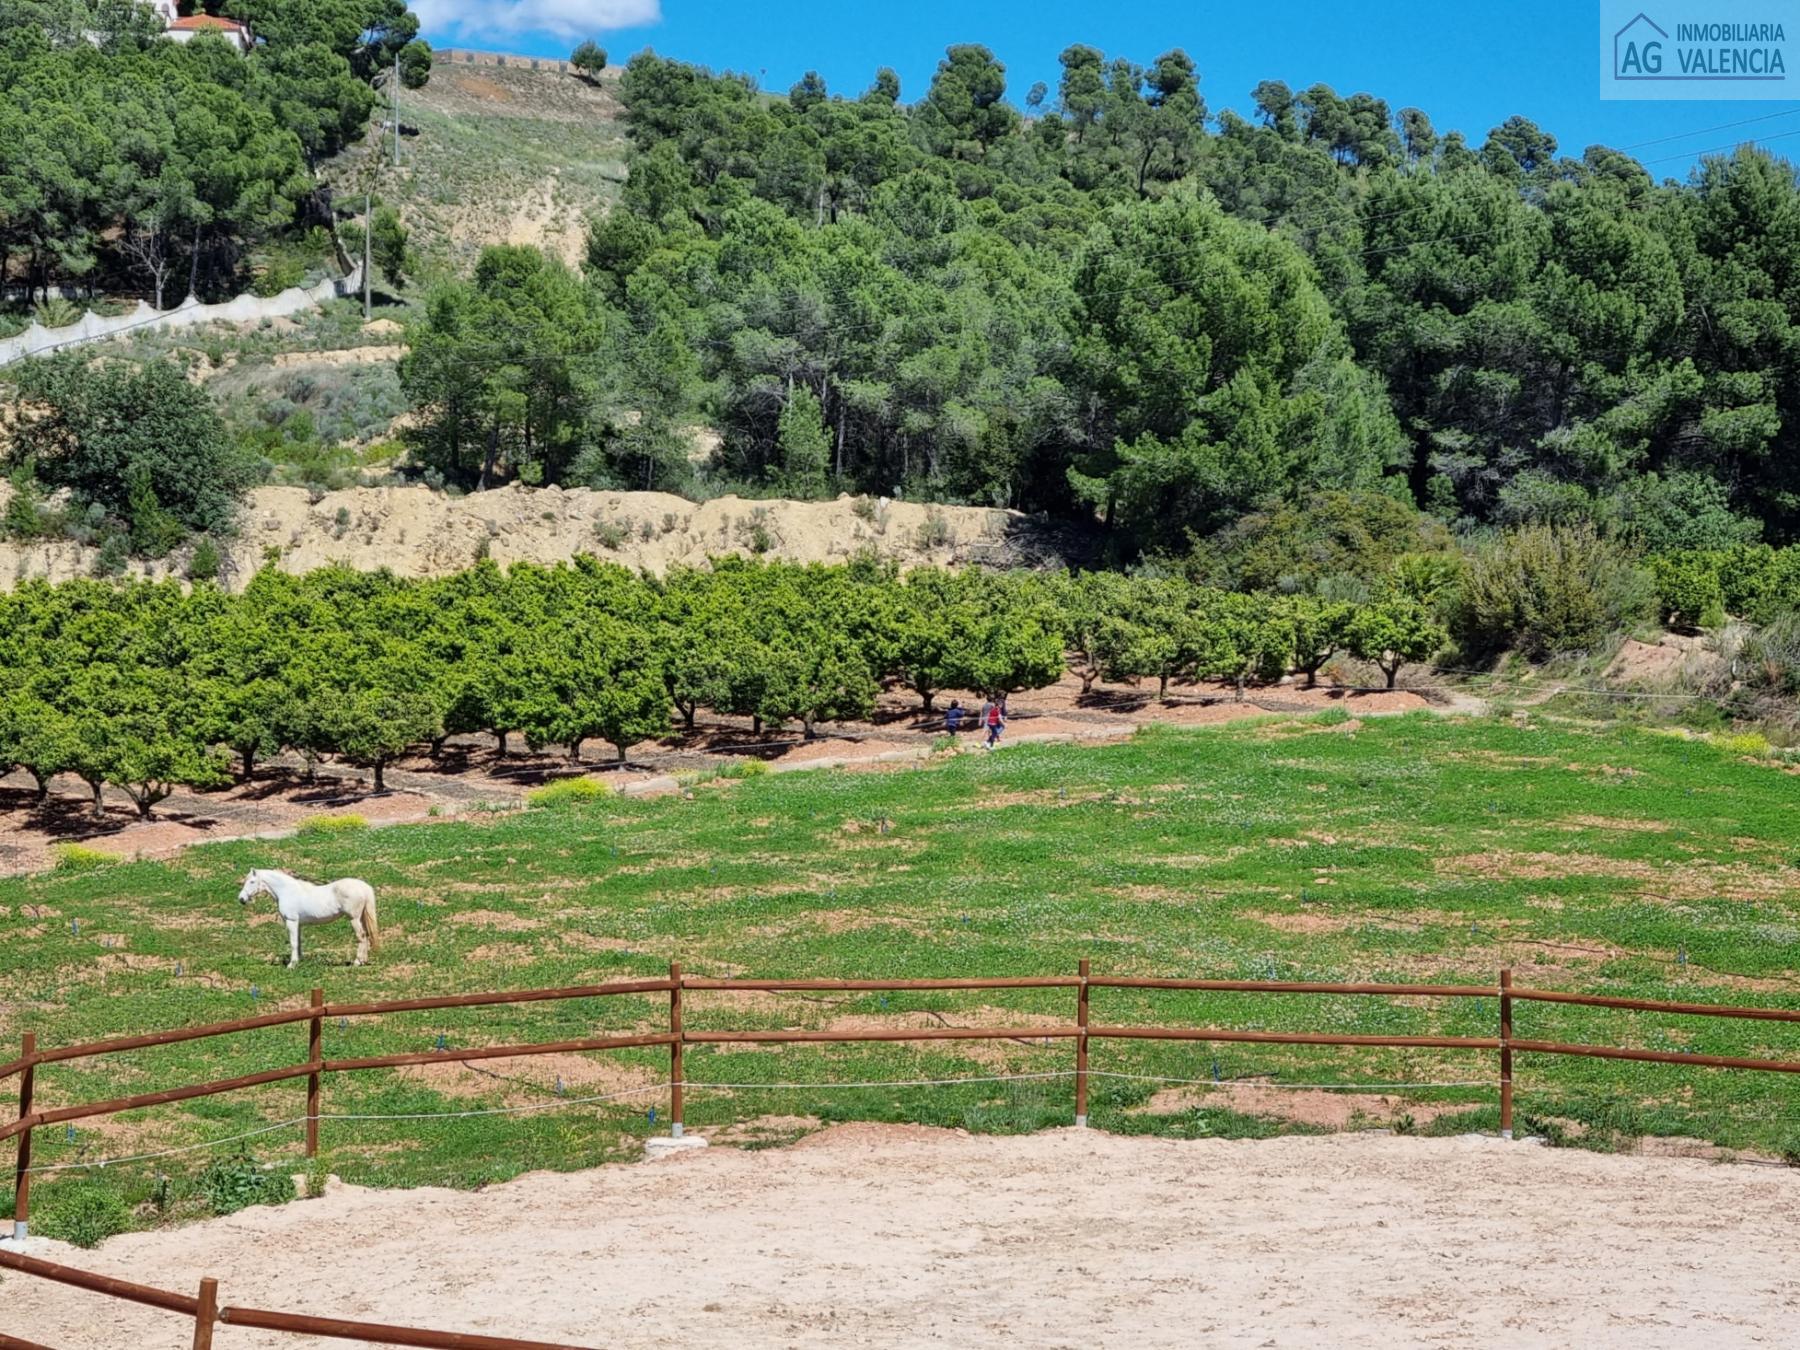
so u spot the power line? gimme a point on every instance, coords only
(1702, 131)
(1722, 149)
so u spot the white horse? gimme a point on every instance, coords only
(301, 902)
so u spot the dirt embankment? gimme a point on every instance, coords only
(902, 1236)
(418, 532)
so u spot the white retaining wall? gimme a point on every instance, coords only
(91, 327)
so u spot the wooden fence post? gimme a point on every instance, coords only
(675, 1066)
(315, 1053)
(1506, 1067)
(206, 1314)
(22, 1174)
(1081, 1049)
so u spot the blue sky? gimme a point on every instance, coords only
(1468, 66)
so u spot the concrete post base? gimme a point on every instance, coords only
(663, 1145)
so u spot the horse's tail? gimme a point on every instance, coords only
(370, 924)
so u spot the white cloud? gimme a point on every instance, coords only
(572, 19)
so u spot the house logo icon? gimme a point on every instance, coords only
(1638, 50)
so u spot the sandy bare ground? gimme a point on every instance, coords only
(902, 1236)
(418, 532)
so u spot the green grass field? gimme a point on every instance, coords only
(1410, 849)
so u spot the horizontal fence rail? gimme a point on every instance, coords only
(205, 1311)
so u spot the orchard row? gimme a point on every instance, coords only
(150, 686)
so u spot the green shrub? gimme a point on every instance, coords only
(1759, 582)
(1677, 511)
(745, 768)
(1429, 578)
(1688, 590)
(204, 562)
(1751, 743)
(1756, 582)
(1336, 535)
(82, 1213)
(1770, 657)
(26, 517)
(1539, 498)
(124, 437)
(347, 823)
(1544, 590)
(115, 553)
(568, 791)
(935, 532)
(610, 535)
(235, 1183)
(56, 312)
(80, 858)
(153, 530)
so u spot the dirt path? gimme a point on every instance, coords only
(902, 1236)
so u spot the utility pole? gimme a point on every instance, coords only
(368, 227)
(396, 90)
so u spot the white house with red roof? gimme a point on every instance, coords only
(179, 29)
(191, 27)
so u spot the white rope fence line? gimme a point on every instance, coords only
(555, 1105)
(1288, 1087)
(102, 1163)
(883, 1082)
(563, 1102)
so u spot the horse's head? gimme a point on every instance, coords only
(253, 886)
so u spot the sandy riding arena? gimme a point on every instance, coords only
(892, 1236)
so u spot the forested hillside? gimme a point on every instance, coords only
(129, 162)
(1325, 349)
(1107, 300)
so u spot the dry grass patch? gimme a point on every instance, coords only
(763, 1131)
(496, 920)
(1302, 1106)
(504, 953)
(1615, 823)
(841, 921)
(1676, 880)
(1505, 865)
(1304, 922)
(593, 942)
(523, 1079)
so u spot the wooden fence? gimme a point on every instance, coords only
(206, 1313)
(203, 1307)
